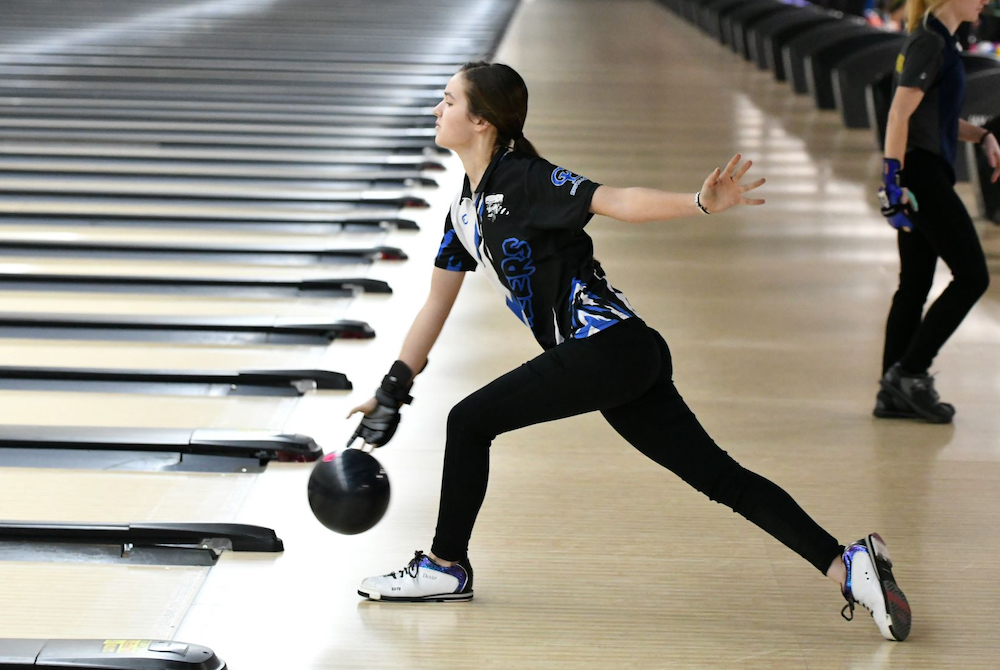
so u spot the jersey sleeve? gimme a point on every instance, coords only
(452, 255)
(919, 64)
(557, 199)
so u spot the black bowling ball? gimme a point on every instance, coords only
(348, 491)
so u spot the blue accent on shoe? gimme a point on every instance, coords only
(848, 559)
(456, 571)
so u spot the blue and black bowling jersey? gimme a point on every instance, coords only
(931, 61)
(524, 227)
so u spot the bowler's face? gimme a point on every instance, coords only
(455, 126)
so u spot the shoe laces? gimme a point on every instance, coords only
(849, 606)
(411, 568)
(848, 611)
(925, 384)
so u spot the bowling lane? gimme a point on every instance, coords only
(41, 600)
(26, 494)
(179, 269)
(47, 600)
(383, 312)
(126, 409)
(111, 595)
(217, 247)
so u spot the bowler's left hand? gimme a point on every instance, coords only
(722, 188)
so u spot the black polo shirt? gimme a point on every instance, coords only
(931, 61)
(524, 227)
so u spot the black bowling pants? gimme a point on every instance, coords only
(625, 373)
(942, 229)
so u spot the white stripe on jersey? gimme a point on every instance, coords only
(465, 220)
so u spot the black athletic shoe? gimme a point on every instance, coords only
(915, 393)
(887, 407)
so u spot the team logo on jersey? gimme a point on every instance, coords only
(518, 267)
(562, 176)
(900, 59)
(494, 206)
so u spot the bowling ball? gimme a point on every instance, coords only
(348, 491)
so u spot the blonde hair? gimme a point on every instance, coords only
(917, 11)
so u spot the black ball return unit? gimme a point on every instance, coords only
(22, 654)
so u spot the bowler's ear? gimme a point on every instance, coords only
(481, 124)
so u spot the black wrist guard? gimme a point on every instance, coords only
(395, 388)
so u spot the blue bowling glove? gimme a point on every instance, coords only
(892, 194)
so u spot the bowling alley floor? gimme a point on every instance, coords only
(586, 554)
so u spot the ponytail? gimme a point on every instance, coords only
(498, 94)
(522, 145)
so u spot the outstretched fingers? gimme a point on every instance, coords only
(724, 189)
(750, 187)
(742, 171)
(731, 165)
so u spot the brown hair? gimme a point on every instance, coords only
(498, 94)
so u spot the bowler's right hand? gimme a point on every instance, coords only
(377, 425)
(897, 202)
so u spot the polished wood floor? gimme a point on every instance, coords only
(586, 554)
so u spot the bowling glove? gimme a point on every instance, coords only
(891, 195)
(378, 427)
